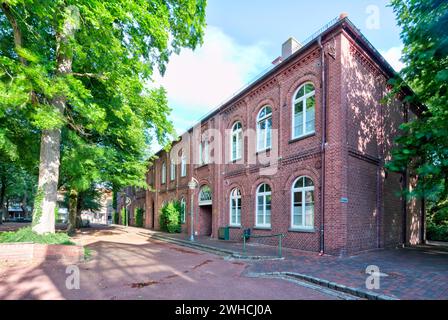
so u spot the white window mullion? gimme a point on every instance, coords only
(303, 207)
(305, 100)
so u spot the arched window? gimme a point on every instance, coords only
(263, 205)
(303, 111)
(183, 164)
(183, 210)
(203, 152)
(237, 141)
(172, 169)
(302, 208)
(235, 207)
(264, 128)
(205, 196)
(163, 172)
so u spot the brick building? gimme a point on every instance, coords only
(300, 151)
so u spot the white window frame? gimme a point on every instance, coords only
(264, 194)
(203, 152)
(235, 194)
(163, 173)
(183, 165)
(302, 99)
(303, 190)
(205, 190)
(172, 170)
(183, 208)
(265, 118)
(238, 133)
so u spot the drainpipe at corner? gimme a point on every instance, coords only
(324, 141)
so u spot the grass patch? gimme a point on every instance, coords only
(87, 253)
(28, 235)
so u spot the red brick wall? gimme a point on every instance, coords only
(38, 252)
(360, 133)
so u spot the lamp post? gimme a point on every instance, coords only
(128, 203)
(192, 185)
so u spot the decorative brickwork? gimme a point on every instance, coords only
(362, 209)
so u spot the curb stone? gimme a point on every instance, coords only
(329, 284)
(229, 253)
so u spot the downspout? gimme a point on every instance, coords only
(324, 140)
(404, 189)
(379, 180)
(422, 222)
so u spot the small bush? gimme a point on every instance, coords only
(124, 216)
(138, 214)
(28, 235)
(170, 217)
(437, 232)
(115, 217)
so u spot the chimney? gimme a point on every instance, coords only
(343, 15)
(289, 47)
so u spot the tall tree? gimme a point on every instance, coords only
(423, 146)
(61, 57)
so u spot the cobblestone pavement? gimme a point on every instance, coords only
(126, 265)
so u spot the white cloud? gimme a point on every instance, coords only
(393, 56)
(203, 79)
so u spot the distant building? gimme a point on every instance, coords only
(102, 216)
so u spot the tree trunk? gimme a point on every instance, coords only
(43, 214)
(79, 211)
(45, 205)
(24, 203)
(2, 199)
(72, 212)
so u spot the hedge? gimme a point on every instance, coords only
(170, 217)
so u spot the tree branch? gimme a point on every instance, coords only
(15, 28)
(89, 75)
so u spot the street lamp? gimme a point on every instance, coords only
(128, 203)
(192, 185)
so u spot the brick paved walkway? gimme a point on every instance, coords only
(126, 265)
(407, 273)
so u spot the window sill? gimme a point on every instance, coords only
(302, 137)
(200, 166)
(304, 230)
(262, 228)
(234, 226)
(235, 160)
(263, 151)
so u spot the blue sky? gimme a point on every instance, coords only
(243, 37)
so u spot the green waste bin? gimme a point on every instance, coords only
(224, 233)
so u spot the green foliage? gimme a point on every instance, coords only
(115, 217)
(124, 217)
(28, 235)
(423, 146)
(138, 214)
(170, 217)
(17, 182)
(87, 253)
(437, 232)
(437, 221)
(112, 113)
(114, 200)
